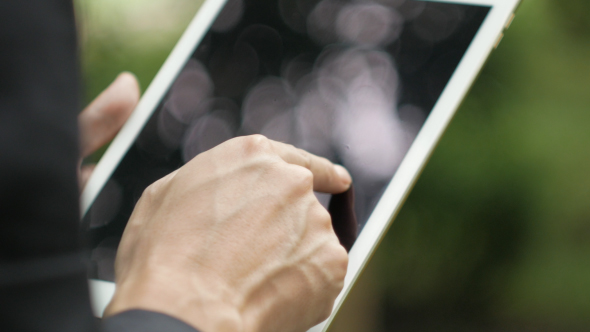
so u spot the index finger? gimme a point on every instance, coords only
(327, 177)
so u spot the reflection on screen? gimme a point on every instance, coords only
(352, 81)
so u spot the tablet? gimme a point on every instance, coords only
(368, 84)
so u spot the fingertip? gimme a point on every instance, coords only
(343, 174)
(130, 81)
(127, 75)
(122, 95)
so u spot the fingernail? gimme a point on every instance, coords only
(343, 174)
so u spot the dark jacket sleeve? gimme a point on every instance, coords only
(42, 280)
(144, 321)
(43, 283)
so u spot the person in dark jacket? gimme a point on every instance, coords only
(233, 241)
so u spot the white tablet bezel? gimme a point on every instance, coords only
(398, 189)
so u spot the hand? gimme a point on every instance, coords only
(104, 117)
(236, 241)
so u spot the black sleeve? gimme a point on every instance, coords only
(43, 283)
(144, 321)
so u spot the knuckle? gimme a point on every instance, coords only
(320, 217)
(155, 189)
(337, 260)
(302, 178)
(324, 219)
(152, 190)
(340, 257)
(149, 195)
(306, 158)
(254, 144)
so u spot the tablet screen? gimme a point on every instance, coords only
(352, 81)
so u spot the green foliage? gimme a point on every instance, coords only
(573, 15)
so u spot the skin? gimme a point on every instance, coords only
(235, 240)
(100, 121)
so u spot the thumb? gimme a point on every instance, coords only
(104, 117)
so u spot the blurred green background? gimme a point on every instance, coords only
(496, 234)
